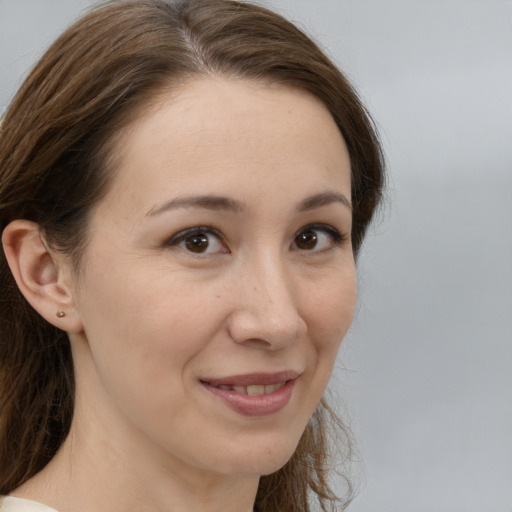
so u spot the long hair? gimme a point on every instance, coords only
(56, 155)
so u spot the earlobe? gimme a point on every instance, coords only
(42, 276)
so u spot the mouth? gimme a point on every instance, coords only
(254, 394)
(252, 389)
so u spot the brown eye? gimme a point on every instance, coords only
(306, 240)
(201, 241)
(197, 243)
(317, 238)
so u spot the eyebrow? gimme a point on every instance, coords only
(219, 203)
(215, 203)
(323, 199)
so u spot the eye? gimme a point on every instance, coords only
(317, 238)
(199, 240)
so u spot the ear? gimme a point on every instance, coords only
(43, 276)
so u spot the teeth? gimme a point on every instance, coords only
(253, 389)
(273, 387)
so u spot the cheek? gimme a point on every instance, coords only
(150, 322)
(331, 306)
(145, 319)
(330, 313)
(149, 330)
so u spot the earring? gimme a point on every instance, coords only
(61, 314)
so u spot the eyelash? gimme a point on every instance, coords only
(337, 237)
(197, 231)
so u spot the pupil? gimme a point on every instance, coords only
(307, 240)
(197, 243)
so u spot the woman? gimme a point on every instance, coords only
(184, 189)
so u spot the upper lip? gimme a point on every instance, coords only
(258, 379)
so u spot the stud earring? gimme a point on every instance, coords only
(61, 314)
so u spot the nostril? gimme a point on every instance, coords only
(257, 342)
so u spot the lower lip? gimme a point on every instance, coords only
(247, 405)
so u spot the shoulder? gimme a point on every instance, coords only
(13, 504)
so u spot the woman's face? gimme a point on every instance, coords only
(219, 279)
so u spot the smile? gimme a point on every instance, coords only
(254, 395)
(253, 389)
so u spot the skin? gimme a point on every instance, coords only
(149, 319)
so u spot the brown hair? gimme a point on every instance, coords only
(56, 141)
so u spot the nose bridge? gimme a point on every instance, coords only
(268, 310)
(273, 284)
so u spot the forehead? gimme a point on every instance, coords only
(212, 133)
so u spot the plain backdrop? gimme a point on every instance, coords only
(424, 377)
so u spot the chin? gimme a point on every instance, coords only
(261, 459)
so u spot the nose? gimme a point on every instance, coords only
(266, 313)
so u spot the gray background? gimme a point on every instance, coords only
(424, 375)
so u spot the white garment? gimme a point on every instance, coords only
(13, 504)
